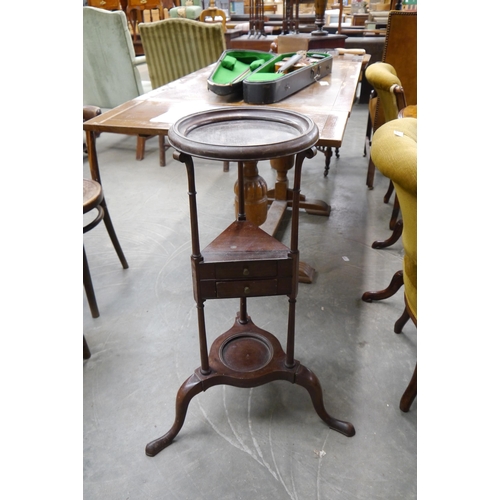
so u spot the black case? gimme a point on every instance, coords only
(268, 92)
(216, 80)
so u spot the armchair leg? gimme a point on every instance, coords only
(368, 141)
(396, 234)
(395, 214)
(410, 393)
(370, 174)
(401, 322)
(389, 192)
(395, 284)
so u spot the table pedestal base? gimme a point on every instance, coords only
(246, 356)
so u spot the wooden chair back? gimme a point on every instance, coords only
(213, 15)
(400, 51)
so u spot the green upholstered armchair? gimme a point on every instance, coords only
(394, 152)
(189, 9)
(176, 47)
(110, 74)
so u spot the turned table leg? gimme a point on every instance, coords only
(258, 197)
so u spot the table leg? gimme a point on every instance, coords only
(282, 192)
(255, 194)
(257, 197)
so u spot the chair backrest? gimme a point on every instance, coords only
(394, 152)
(176, 47)
(400, 50)
(384, 79)
(213, 15)
(110, 77)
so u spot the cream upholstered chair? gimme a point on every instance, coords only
(189, 9)
(176, 47)
(110, 74)
(394, 152)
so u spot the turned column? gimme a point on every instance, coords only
(255, 194)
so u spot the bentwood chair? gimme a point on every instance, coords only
(394, 152)
(177, 47)
(110, 74)
(94, 204)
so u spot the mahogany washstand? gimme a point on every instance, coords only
(245, 261)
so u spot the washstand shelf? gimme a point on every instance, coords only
(244, 261)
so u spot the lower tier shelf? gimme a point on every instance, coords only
(247, 356)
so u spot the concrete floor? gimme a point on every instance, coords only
(262, 443)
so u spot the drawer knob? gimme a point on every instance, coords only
(246, 272)
(247, 290)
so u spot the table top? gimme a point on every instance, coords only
(327, 102)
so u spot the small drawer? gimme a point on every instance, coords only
(258, 288)
(246, 270)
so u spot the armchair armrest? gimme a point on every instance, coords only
(139, 60)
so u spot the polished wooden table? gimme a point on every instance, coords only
(327, 102)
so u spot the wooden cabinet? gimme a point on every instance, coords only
(105, 4)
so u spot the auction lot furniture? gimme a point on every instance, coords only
(94, 202)
(196, 46)
(244, 261)
(394, 153)
(110, 66)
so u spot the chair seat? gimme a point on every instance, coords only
(92, 195)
